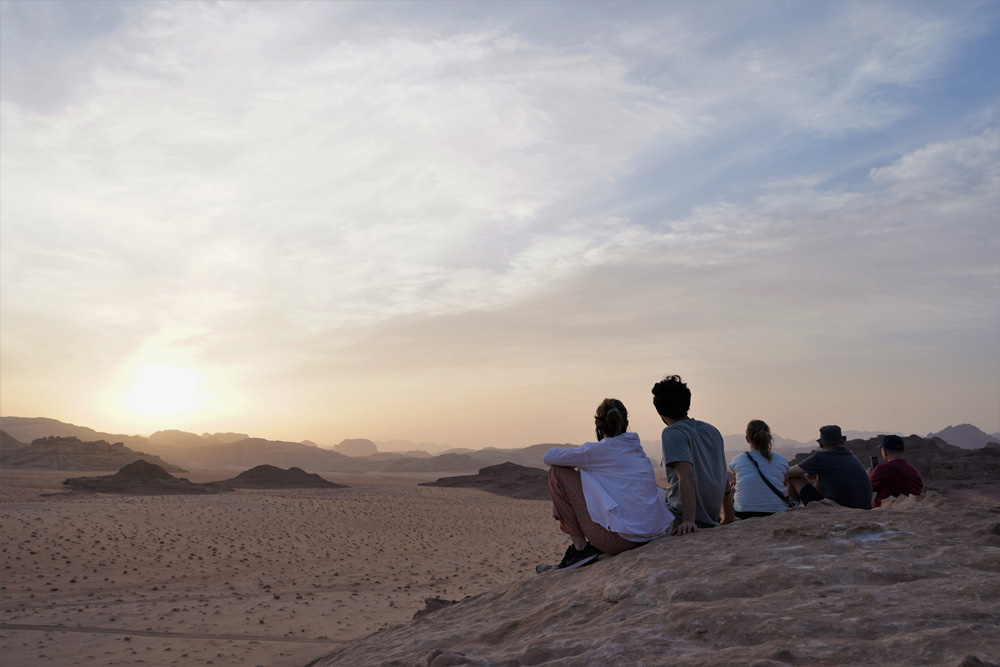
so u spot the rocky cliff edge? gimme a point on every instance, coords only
(914, 582)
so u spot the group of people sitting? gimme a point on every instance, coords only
(606, 498)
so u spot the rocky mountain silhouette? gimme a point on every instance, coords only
(70, 453)
(389, 456)
(271, 477)
(966, 436)
(504, 479)
(251, 452)
(29, 429)
(215, 438)
(356, 447)
(530, 456)
(141, 478)
(9, 443)
(238, 452)
(444, 462)
(173, 438)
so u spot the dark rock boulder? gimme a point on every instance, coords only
(272, 477)
(140, 478)
(505, 479)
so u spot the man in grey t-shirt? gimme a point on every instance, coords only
(695, 459)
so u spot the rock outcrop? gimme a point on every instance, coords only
(69, 453)
(9, 443)
(505, 479)
(912, 583)
(141, 478)
(29, 429)
(271, 477)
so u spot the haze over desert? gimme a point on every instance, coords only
(246, 578)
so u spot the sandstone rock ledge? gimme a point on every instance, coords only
(916, 582)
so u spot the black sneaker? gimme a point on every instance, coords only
(573, 559)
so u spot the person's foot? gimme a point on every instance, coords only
(573, 558)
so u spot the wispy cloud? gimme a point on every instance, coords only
(315, 188)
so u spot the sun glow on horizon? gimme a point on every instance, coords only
(165, 390)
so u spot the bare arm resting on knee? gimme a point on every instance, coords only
(728, 506)
(795, 479)
(689, 498)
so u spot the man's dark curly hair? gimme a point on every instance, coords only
(671, 397)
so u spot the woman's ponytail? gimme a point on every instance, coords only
(759, 435)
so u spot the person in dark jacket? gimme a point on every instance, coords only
(834, 473)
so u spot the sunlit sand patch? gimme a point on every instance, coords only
(253, 577)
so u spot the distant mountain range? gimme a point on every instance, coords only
(29, 429)
(70, 453)
(240, 451)
(966, 436)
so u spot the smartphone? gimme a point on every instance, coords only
(874, 461)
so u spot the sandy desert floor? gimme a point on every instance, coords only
(246, 578)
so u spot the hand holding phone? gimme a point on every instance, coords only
(874, 462)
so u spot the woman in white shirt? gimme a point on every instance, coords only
(604, 493)
(753, 497)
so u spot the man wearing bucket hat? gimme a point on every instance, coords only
(895, 477)
(838, 473)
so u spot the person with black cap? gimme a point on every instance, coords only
(895, 477)
(837, 472)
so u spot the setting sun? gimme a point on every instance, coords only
(164, 390)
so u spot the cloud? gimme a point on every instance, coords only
(833, 271)
(205, 161)
(318, 188)
(966, 165)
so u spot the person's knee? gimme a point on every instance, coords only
(797, 483)
(562, 472)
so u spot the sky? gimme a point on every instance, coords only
(467, 223)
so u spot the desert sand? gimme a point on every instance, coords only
(287, 577)
(253, 577)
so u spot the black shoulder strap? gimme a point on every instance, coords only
(785, 499)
